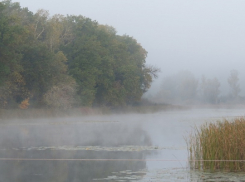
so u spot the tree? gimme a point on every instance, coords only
(188, 85)
(210, 90)
(181, 87)
(109, 69)
(84, 58)
(42, 70)
(233, 82)
(41, 55)
(12, 37)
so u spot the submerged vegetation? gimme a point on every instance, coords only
(218, 146)
(67, 61)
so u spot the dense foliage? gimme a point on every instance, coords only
(61, 61)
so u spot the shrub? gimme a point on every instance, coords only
(60, 96)
(24, 104)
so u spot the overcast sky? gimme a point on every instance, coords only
(202, 36)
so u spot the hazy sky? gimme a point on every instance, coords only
(202, 36)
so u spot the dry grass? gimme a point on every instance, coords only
(218, 143)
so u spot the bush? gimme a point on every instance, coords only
(24, 104)
(60, 96)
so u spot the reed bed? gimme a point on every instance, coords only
(218, 146)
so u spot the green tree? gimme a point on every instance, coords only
(109, 69)
(84, 57)
(42, 70)
(12, 37)
(40, 56)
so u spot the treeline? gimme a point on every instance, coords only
(64, 61)
(185, 88)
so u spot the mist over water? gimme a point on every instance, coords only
(136, 141)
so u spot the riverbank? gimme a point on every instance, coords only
(6, 114)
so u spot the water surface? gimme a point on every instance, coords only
(125, 147)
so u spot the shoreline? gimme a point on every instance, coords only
(42, 113)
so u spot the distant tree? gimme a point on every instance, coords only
(188, 85)
(168, 90)
(181, 87)
(210, 90)
(233, 83)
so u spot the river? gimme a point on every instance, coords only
(118, 147)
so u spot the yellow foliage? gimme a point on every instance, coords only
(24, 104)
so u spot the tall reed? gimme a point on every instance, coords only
(218, 146)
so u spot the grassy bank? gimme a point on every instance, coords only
(218, 146)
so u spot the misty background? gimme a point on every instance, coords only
(198, 45)
(202, 37)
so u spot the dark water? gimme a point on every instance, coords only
(128, 147)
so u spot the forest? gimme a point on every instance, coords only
(67, 61)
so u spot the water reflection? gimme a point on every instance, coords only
(68, 170)
(20, 143)
(85, 134)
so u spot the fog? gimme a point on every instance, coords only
(203, 37)
(195, 44)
